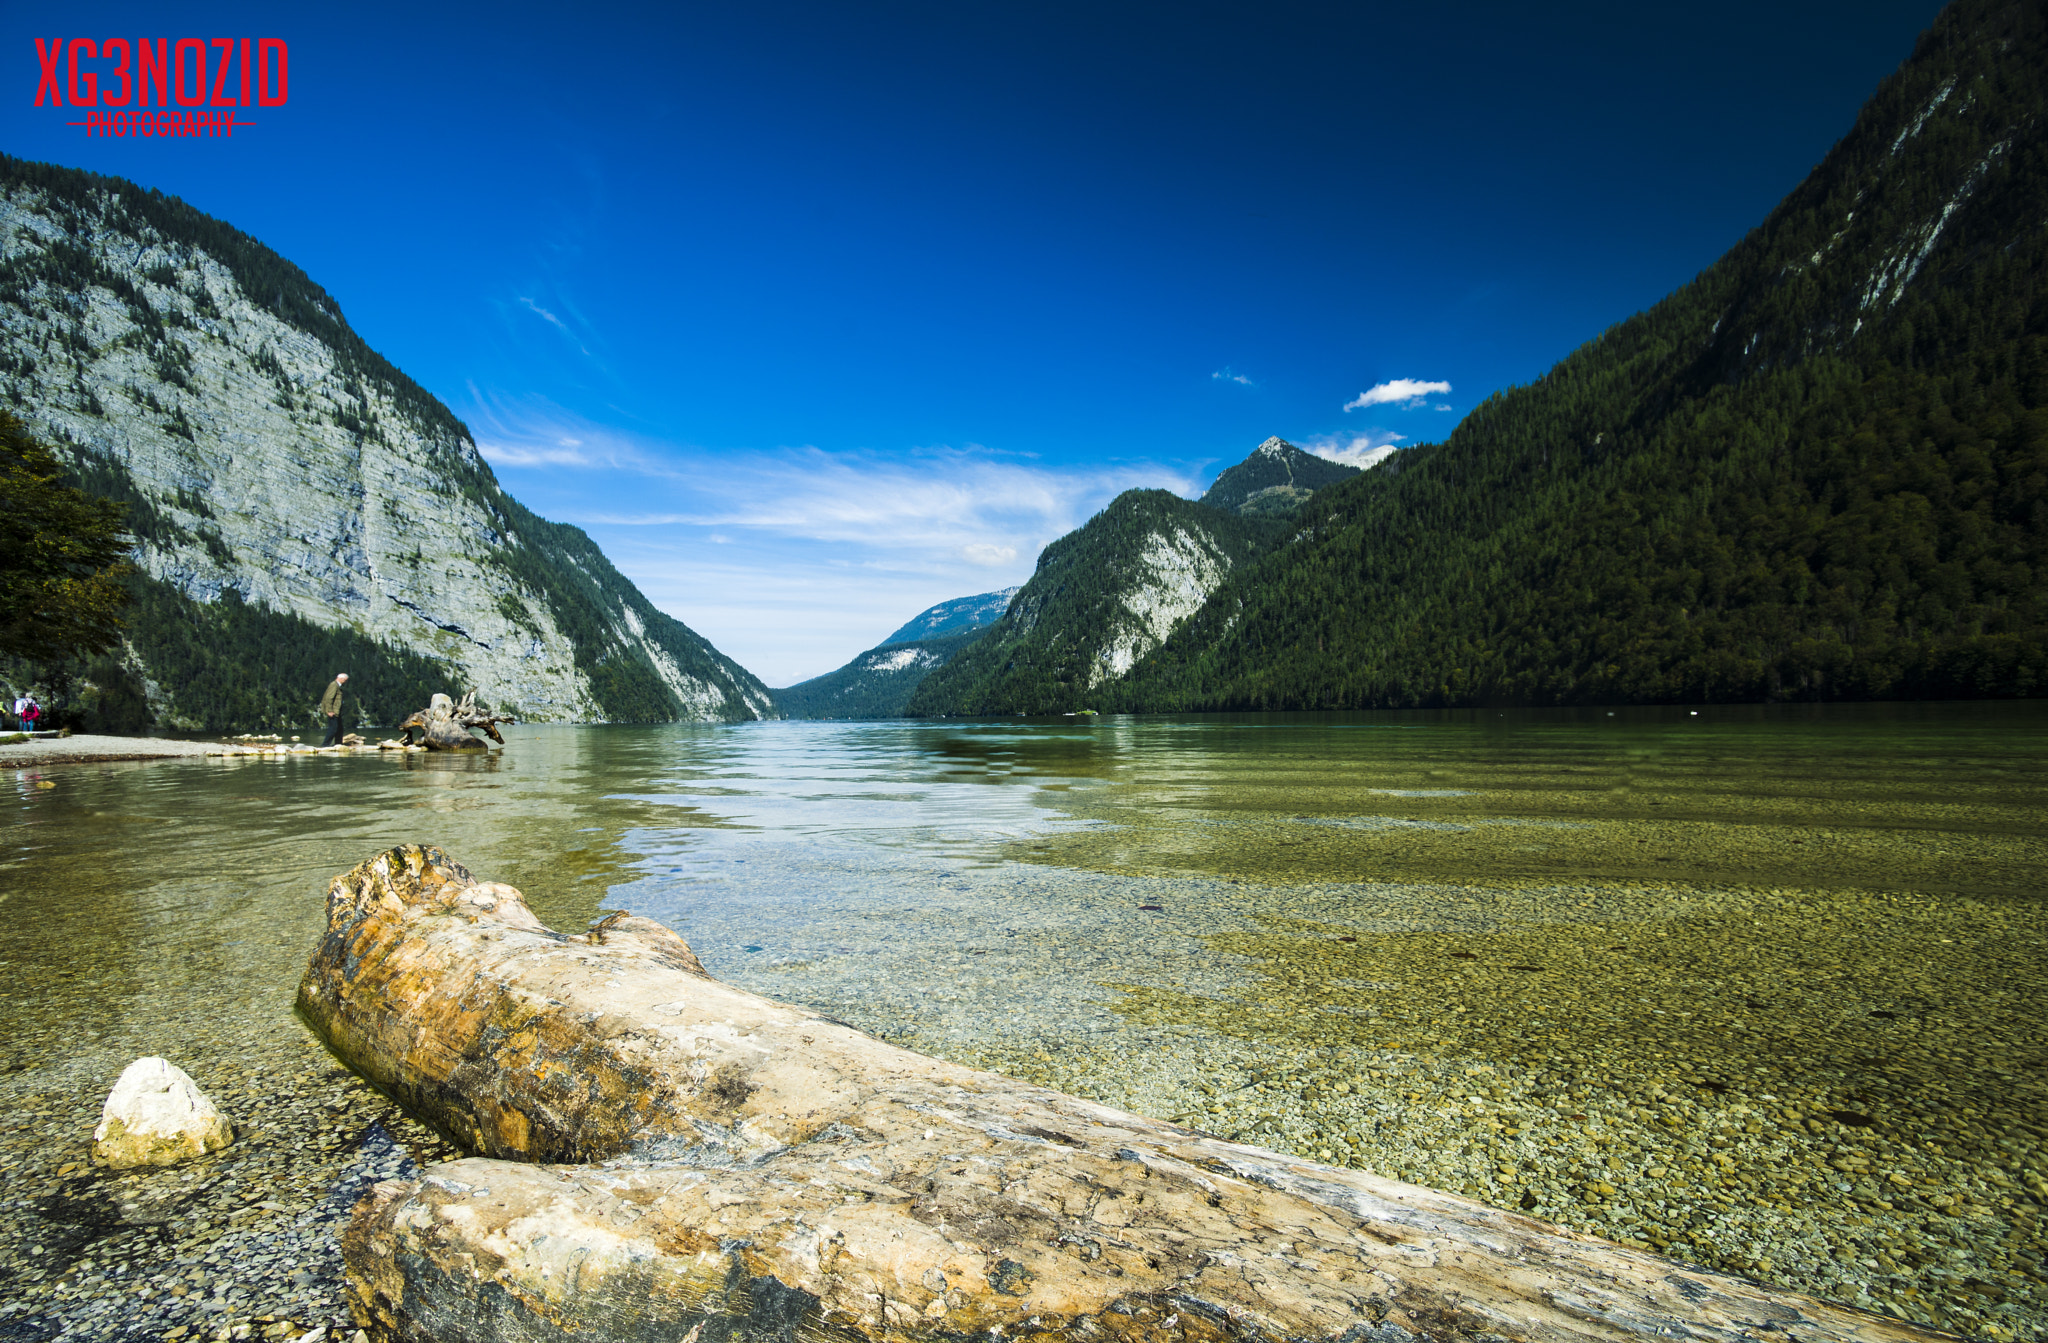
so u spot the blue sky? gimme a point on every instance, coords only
(815, 315)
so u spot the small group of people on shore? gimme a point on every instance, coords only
(28, 715)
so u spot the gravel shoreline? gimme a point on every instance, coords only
(88, 748)
(239, 1245)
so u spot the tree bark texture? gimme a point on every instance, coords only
(664, 1157)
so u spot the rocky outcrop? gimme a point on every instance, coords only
(746, 1169)
(157, 1116)
(1102, 598)
(270, 458)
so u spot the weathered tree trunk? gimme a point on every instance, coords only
(445, 725)
(753, 1171)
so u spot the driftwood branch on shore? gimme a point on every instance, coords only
(736, 1168)
(445, 725)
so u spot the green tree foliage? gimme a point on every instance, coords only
(1276, 479)
(231, 666)
(61, 554)
(1818, 471)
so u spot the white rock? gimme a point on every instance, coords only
(157, 1116)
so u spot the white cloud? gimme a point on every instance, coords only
(532, 432)
(1360, 450)
(937, 501)
(1225, 374)
(1401, 391)
(792, 560)
(566, 453)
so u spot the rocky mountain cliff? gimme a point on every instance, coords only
(300, 505)
(1102, 597)
(1277, 479)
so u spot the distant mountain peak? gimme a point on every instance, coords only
(949, 617)
(1276, 478)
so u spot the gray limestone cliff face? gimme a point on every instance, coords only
(305, 473)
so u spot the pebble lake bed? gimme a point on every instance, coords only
(1760, 989)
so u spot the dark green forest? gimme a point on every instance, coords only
(236, 667)
(1819, 471)
(1275, 479)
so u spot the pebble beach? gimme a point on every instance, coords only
(1830, 1088)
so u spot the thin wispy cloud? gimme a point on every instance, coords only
(533, 432)
(554, 321)
(1407, 392)
(963, 502)
(1360, 450)
(837, 548)
(1226, 374)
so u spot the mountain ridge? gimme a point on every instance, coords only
(263, 447)
(1101, 597)
(1819, 470)
(876, 683)
(959, 613)
(1275, 480)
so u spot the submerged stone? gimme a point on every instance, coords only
(157, 1116)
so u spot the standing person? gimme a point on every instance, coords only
(20, 708)
(330, 704)
(31, 714)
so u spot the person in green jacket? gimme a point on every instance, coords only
(330, 704)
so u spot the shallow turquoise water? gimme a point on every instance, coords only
(1810, 911)
(860, 852)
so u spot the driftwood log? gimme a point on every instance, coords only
(445, 725)
(732, 1168)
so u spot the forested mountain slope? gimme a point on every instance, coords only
(879, 682)
(301, 506)
(1276, 479)
(1818, 471)
(1102, 596)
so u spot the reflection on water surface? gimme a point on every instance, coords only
(1626, 971)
